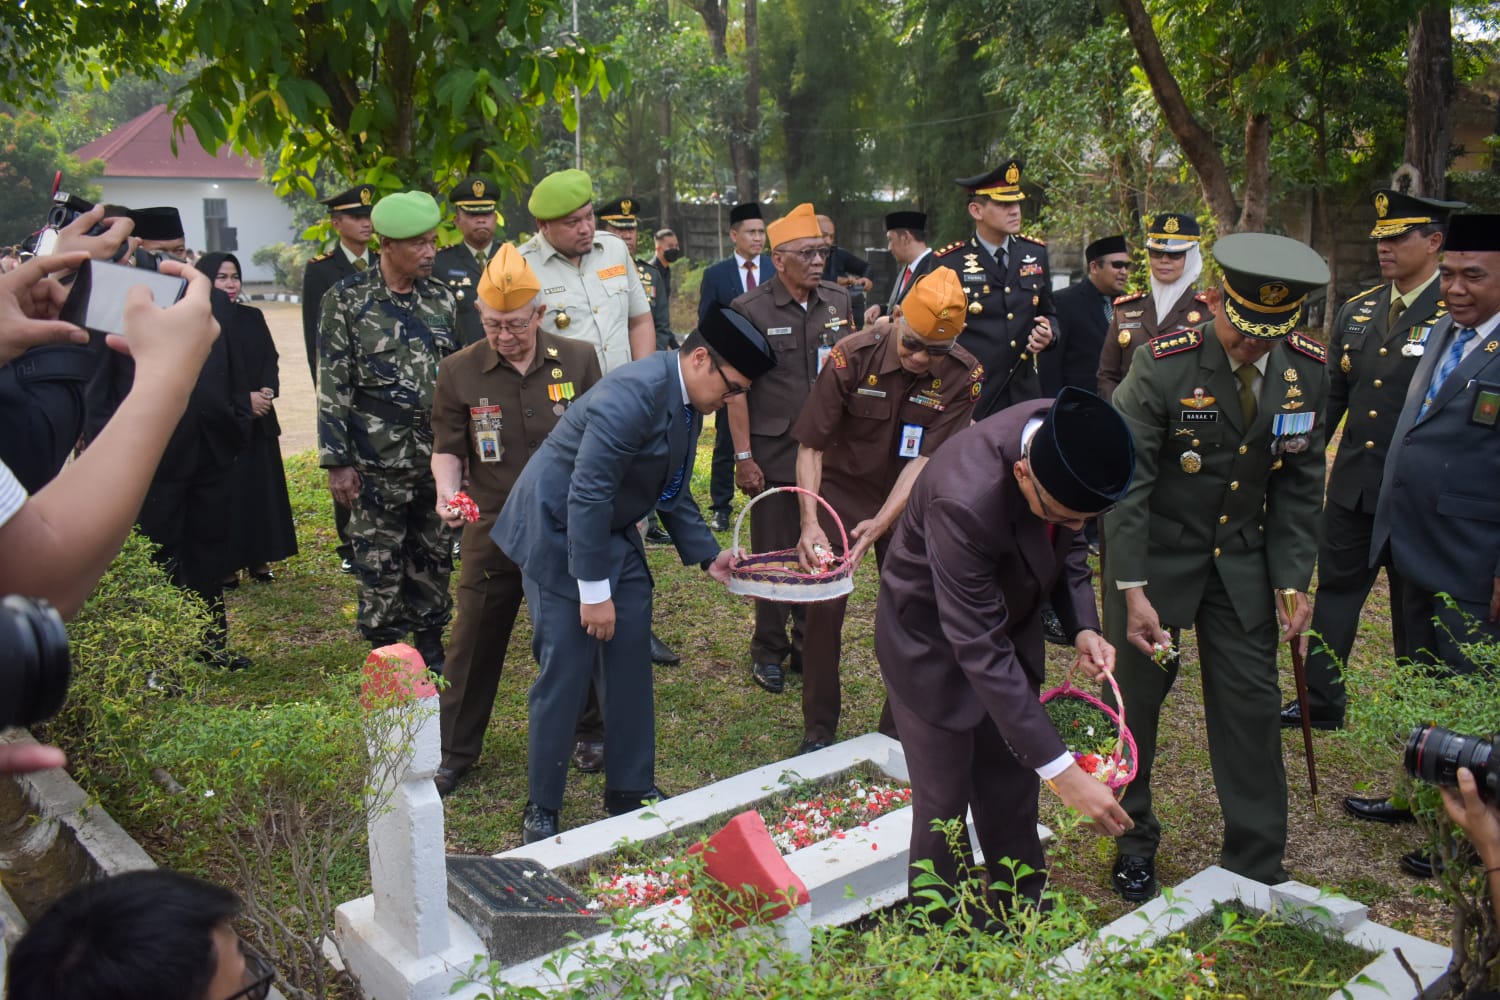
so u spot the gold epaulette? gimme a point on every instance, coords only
(949, 248)
(1129, 298)
(1367, 291)
(1034, 239)
(1186, 339)
(1303, 344)
(321, 256)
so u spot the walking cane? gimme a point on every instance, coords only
(1299, 674)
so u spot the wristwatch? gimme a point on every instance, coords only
(743, 456)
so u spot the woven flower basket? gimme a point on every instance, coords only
(778, 576)
(1125, 755)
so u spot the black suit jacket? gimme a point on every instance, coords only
(958, 628)
(1073, 359)
(721, 282)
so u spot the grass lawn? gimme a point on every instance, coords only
(712, 721)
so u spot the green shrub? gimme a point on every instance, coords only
(287, 260)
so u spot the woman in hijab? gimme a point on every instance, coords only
(260, 513)
(1173, 302)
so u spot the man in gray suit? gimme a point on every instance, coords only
(623, 448)
(1439, 506)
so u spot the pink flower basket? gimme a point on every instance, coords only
(778, 576)
(1121, 764)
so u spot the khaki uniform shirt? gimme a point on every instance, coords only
(593, 301)
(478, 392)
(860, 407)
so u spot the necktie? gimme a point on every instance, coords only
(1398, 306)
(749, 275)
(360, 264)
(1004, 258)
(479, 255)
(1455, 355)
(905, 280)
(1109, 310)
(1246, 375)
(675, 486)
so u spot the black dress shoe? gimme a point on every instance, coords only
(1377, 810)
(588, 756)
(538, 823)
(345, 566)
(446, 779)
(1134, 878)
(230, 583)
(220, 658)
(719, 521)
(1291, 717)
(618, 803)
(662, 653)
(1423, 863)
(809, 746)
(1052, 628)
(769, 676)
(657, 535)
(262, 575)
(794, 662)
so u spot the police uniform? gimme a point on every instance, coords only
(1134, 318)
(379, 353)
(1222, 512)
(460, 265)
(592, 300)
(494, 418)
(869, 417)
(328, 269)
(1371, 362)
(1005, 299)
(801, 338)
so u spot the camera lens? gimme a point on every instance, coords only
(35, 670)
(1434, 755)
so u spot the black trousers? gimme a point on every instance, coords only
(721, 472)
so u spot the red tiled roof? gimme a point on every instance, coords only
(142, 147)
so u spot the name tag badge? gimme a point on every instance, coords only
(488, 445)
(973, 279)
(779, 331)
(485, 419)
(617, 271)
(911, 441)
(1199, 416)
(866, 391)
(823, 351)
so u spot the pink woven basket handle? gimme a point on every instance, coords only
(843, 535)
(1126, 738)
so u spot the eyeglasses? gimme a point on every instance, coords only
(514, 327)
(1120, 265)
(917, 345)
(809, 255)
(1166, 254)
(262, 974)
(730, 389)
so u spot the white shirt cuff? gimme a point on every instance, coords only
(1129, 584)
(1051, 770)
(593, 591)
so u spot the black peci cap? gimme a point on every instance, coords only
(157, 223)
(737, 341)
(1104, 247)
(1083, 453)
(906, 220)
(1473, 234)
(745, 210)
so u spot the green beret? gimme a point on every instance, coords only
(559, 194)
(402, 216)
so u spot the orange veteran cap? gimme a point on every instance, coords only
(508, 282)
(800, 223)
(935, 306)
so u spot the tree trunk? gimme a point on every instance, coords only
(1197, 144)
(1257, 173)
(1429, 97)
(747, 156)
(666, 191)
(715, 14)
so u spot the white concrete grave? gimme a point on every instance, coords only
(1332, 915)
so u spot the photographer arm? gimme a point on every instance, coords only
(1480, 822)
(61, 541)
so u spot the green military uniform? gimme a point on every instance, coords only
(1222, 512)
(378, 365)
(460, 265)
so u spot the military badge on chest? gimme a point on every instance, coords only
(484, 424)
(1416, 341)
(561, 393)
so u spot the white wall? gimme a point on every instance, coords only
(254, 210)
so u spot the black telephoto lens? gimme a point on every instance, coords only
(34, 662)
(1434, 755)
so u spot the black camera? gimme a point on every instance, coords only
(36, 668)
(1434, 755)
(65, 208)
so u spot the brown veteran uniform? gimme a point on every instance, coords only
(494, 417)
(800, 339)
(872, 416)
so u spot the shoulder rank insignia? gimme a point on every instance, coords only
(1367, 291)
(949, 248)
(1175, 343)
(1121, 300)
(1200, 297)
(322, 256)
(1033, 239)
(837, 357)
(1306, 345)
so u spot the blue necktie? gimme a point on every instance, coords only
(1455, 355)
(675, 486)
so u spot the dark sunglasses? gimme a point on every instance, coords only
(916, 344)
(1169, 254)
(1120, 265)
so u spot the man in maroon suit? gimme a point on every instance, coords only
(993, 533)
